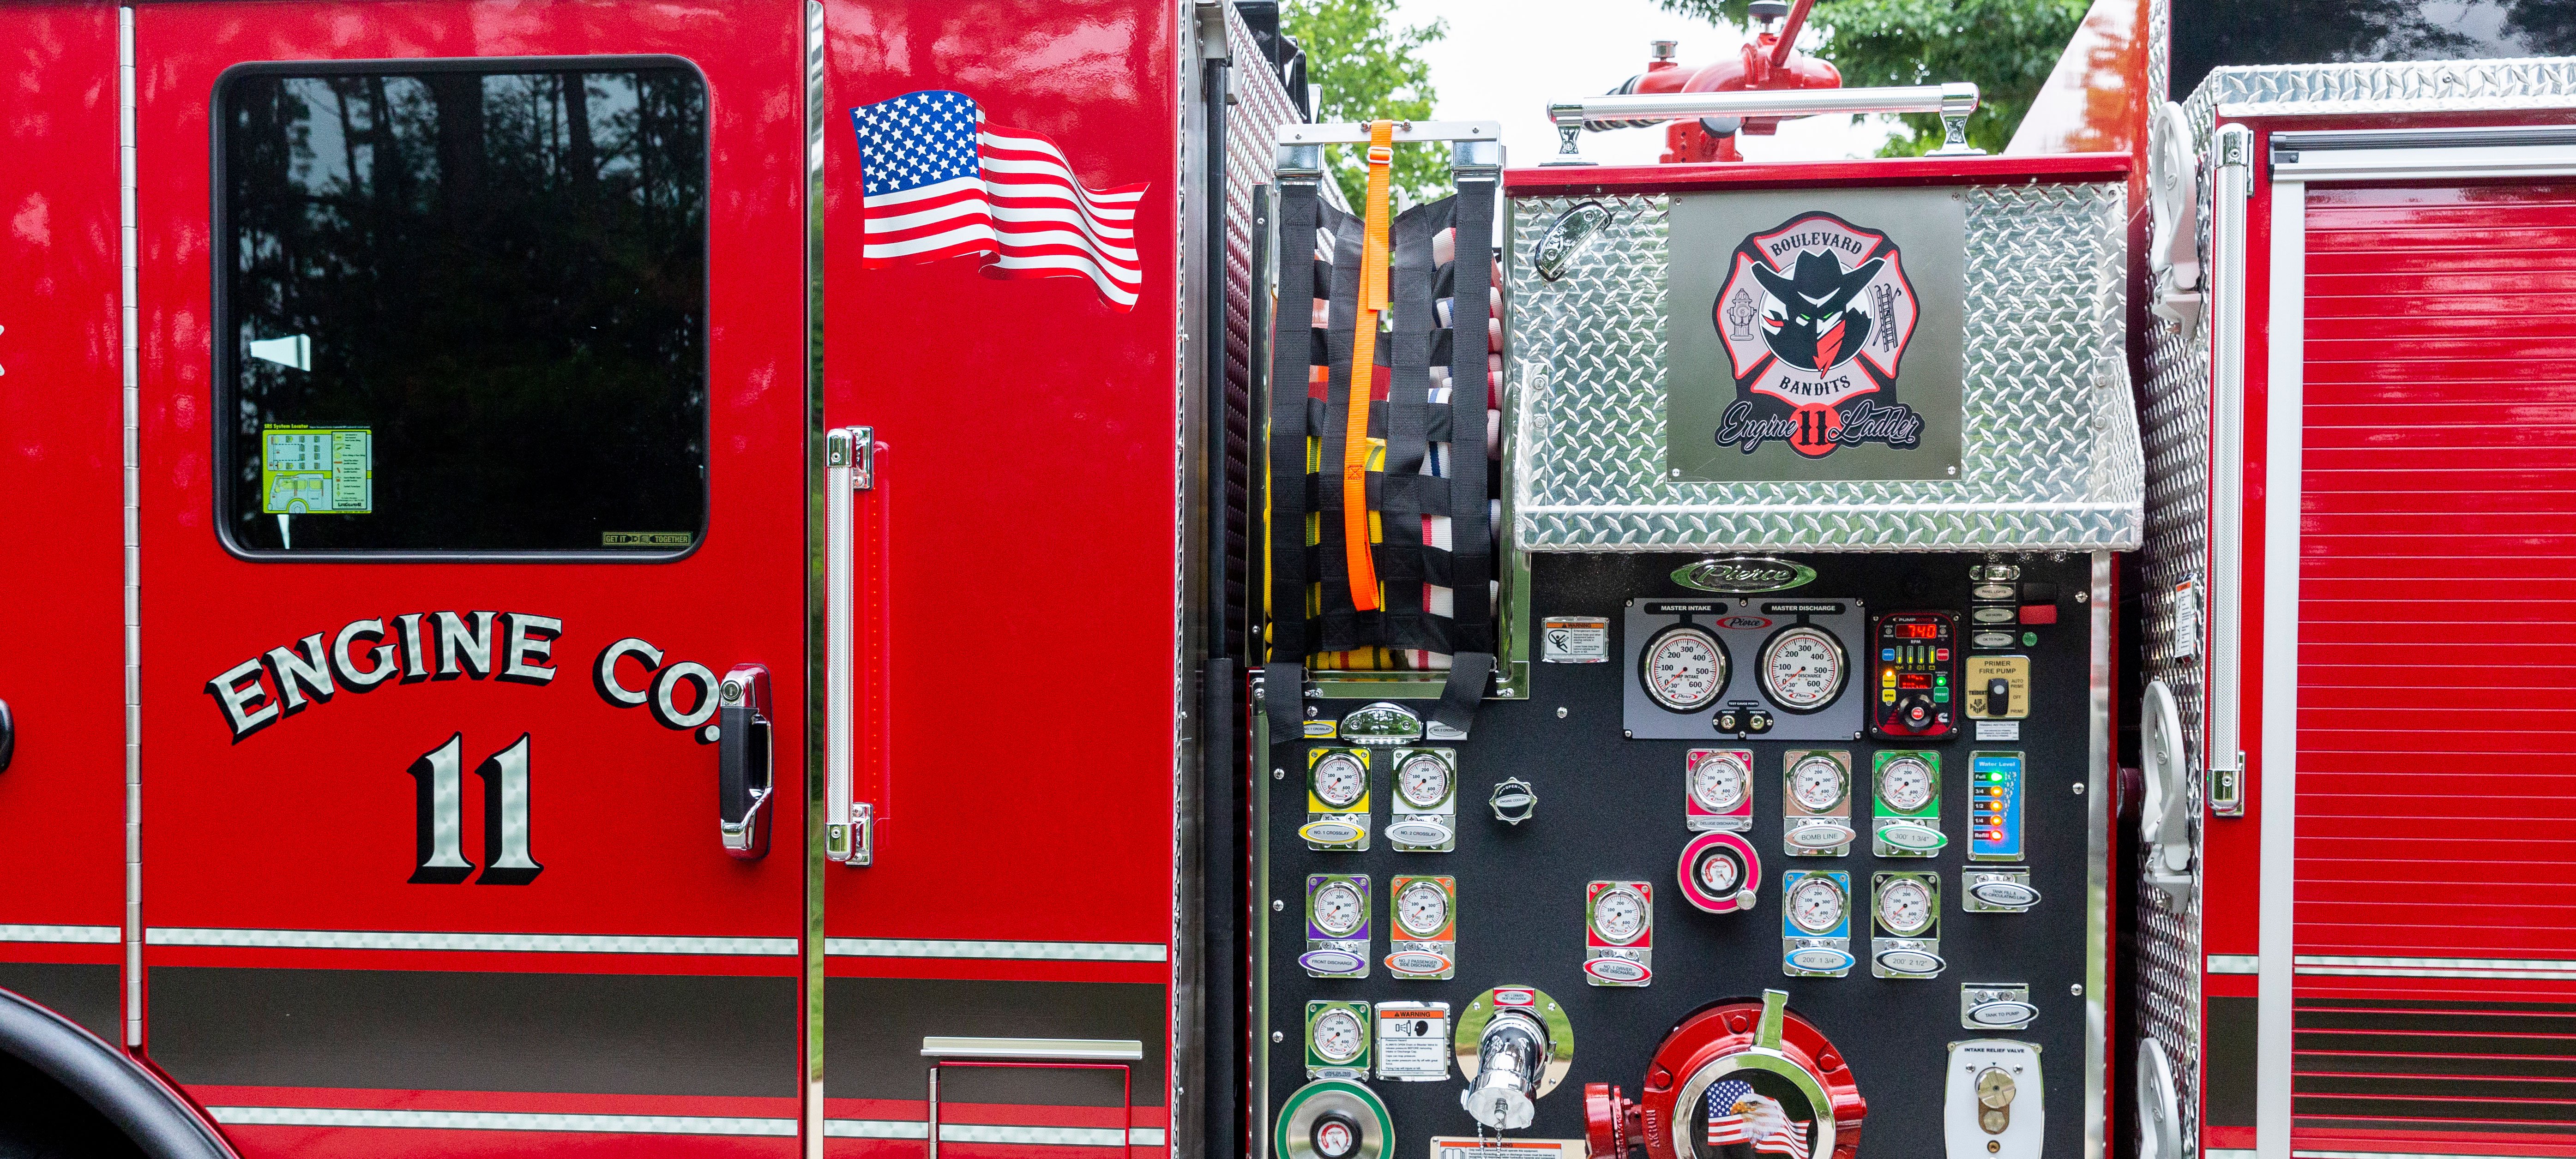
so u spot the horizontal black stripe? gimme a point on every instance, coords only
(2312, 1115)
(439, 1030)
(86, 994)
(2431, 1088)
(2303, 1007)
(2391, 1040)
(2541, 1066)
(873, 1029)
(2418, 1022)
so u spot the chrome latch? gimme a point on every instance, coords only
(743, 772)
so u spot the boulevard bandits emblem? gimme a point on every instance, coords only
(1815, 316)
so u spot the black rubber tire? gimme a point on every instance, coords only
(65, 1093)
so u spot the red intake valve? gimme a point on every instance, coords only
(1727, 1078)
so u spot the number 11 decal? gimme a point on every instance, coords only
(439, 808)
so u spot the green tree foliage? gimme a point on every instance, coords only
(2007, 47)
(1371, 69)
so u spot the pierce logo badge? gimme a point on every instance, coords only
(1743, 575)
(1815, 316)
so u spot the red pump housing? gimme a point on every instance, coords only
(1742, 1037)
(1768, 61)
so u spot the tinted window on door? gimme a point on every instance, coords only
(461, 310)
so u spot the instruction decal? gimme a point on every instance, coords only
(317, 470)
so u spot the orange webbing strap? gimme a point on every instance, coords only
(1363, 377)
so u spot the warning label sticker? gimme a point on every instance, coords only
(317, 470)
(1470, 1147)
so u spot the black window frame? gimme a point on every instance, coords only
(221, 391)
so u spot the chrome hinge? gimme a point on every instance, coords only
(855, 448)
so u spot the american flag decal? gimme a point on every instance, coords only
(1738, 1115)
(940, 183)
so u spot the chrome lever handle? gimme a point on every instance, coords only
(743, 769)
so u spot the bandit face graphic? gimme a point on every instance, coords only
(1809, 323)
(1815, 316)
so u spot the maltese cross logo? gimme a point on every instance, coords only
(1831, 313)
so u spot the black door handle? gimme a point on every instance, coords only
(8, 735)
(742, 761)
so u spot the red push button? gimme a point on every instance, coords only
(2039, 613)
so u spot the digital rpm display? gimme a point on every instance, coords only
(1683, 669)
(1803, 668)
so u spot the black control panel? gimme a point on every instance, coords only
(1810, 750)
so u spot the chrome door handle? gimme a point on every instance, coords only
(743, 780)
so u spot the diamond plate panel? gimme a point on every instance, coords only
(2050, 439)
(2355, 89)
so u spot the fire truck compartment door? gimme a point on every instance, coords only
(442, 601)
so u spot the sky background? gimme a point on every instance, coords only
(1504, 60)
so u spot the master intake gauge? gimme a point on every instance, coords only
(1803, 668)
(1683, 668)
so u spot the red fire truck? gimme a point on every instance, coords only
(556, 542)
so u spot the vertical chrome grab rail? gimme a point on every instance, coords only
(849, 454)
(2230, 183)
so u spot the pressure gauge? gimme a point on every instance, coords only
(1684, 668)
(1816, 904)
(1337, 1036)
(1818, 782)
(1905, 783)
(1717, 782)
(1338, 908)
(1619, 915)
(1340, 778)
(1905, 907)
(1423, 780)
(1422, 909)
(1802, 668)
(1720, 874)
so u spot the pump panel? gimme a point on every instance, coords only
(1603, 863)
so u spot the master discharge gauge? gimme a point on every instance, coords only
(1803, 668)
(1683, 668)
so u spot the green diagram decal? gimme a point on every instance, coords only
(316, 470)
